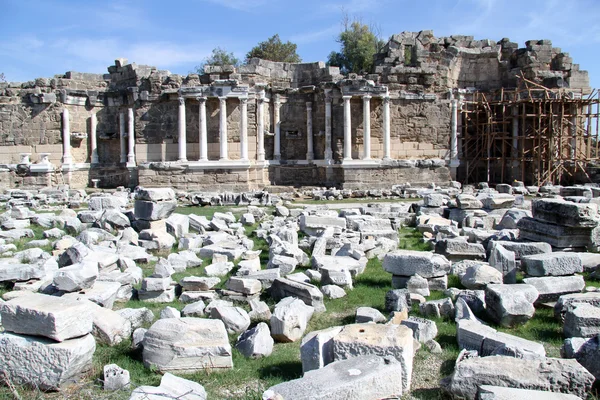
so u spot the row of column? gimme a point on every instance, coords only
(366, 127)
(126, 157)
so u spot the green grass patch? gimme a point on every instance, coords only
(412, 239)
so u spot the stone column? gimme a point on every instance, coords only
(574, 133)
(347, 129)
(260, 126)
(223, 128)
(131, 137)
(277, 124)
(93, 138)
(122, 136)
(328, 152)
(310, 155)
(203, 135)
(66, 137)
(244, 128)
(386, 127)
(181, 131)
(367, 127)
(454, 130)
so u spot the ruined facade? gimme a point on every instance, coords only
(267, 123)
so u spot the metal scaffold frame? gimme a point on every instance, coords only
(532, 134)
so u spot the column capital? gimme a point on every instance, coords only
(201, 99)
(181, 100)
(243, 100)
(386, 99)
(347, 97)
(277, 99)
(222, 98)
(309, 105)
(367, 97)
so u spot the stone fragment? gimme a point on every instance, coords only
(459, 249)
(153, 211)
(171, 387)
(44, 364)
(479, 276)
(137, 317)
(187, 345)
(504, 261)
(488, 392)
(510, 305)
(443, 308)
(333, 291)
(423, 329)
(565, 213)
(397, 300)
(198, 284)
(377, 339)
(316, 349)
(170, 312)
(550, 288)
(409, 262)
(366, 377)
(290, 319)
(236, 319)
(49, 316)
(565, 301)
(309, 294)
(552, 264)
(549, 374)
(581, 320)
(256, 342)
(116, 378)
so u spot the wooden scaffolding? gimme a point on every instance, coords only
(532, 134)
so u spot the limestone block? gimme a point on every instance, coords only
(196, 283)
(115, 378)
(286, 265)
(12, 270)
(504, 261)
(487, 392)
(581, 320)
(160, 296)
(350, 263)
(171, 387)
(564, 301)
(178, 225)
(423, 329)
(256, 342)
(316, 349)
(137, 317)
(339, 276)
(42, 363)
(550, 374)
(368, 314)
(479, 276)
(409, 262)
(468, 202)
(459, 249)
(550, 288)
(364, 377)
(151, 211)
(309, 294)
(244, 285)
(552, 264)
(397, 300)
(333, 291)
(566, 213)
(290, 319)
(236, 319)
(187, 345)
(510, 305)
(443, 308)
(497, 201)
(169, 312)
(555, 235)
(155, 194)
(49, 316)
(377, 339)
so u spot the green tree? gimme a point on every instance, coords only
(358, 46)
(273, 49)
(218, 57)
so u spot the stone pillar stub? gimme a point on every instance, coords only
(310, 155)
(386, 128)
(131, 137)
(203, 130)
(66, 137)
(244, 128)
(223, 128)
(347, 129)
(367, 127)
(94, 139)
(181, 130)
(277, 124)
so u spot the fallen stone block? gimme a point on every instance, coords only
(459, 249)
(316, 349)
(504, 261)
(115, 378)
(49, 316)
(377, 339)
(365, 377)
(479, 276)
(582, 320)
(44, 364)
(487, 392)
(409, 262)
(309, 294)
(565, 213)
(171, 387)
(290, 319)
(552, 264)
(443, 308)
(423, 329)
(510, 305)
(256, 342)
(549, 374)
(564, 301)
(550, 288)
(236, 319)
(187, 345)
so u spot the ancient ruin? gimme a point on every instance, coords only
(433, 110)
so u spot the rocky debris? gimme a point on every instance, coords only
(377, 339)
(549, 374)
(409, 263)
(137, 317)
(171, 387)
(333, 291)
(460, 249)
(115, 378)
(585, 351)
(236, 319)
(510, 305)
(290, 319)
(398, 300)
(504, 260)
(187, 345)
(551, 288)
(256, 342)
(368, 314)
(309, 294)
(48, 316)
(473, 335)
(364, 377)
(564, 301)
(443, 308)
(552, 264)
(42, 363)
(423, 329)
(581, 320)
(479, 276)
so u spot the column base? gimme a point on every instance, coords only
(182, 160)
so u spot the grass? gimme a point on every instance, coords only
(249, 378)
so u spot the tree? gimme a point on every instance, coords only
(273, 49)
(358, 46)
(218, 57)
(2, 77)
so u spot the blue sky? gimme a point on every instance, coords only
(41, 38)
